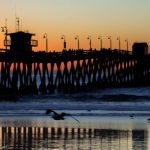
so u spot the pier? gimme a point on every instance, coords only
(72, 70)
(23, 71)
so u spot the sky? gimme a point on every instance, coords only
(127, 19)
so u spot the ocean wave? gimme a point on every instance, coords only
(124, 97)
(78, 114)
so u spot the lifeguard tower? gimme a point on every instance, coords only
(21, 42)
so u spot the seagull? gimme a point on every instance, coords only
(57, 116)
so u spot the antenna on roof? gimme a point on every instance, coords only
(6, 22)
(17, 23)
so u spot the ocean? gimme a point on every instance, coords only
(110, 118)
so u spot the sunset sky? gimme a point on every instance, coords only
(128, 19)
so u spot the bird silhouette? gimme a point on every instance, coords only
(57, 116)
(132, 116)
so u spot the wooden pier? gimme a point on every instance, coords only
(70, 71)
(23, 71)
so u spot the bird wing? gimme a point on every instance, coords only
(75, 118)
(72, 117)
(49, 111)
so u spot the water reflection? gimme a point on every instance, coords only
(73, 138)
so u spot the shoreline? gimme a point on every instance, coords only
(122, 123)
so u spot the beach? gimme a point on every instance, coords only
(116, 119)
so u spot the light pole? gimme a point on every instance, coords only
(77, 38)
(46, 39)
(127, 44)
(65, 44)
(4, 29)
(118, 38)
(100, 39)
(110, 42)
(89, 38)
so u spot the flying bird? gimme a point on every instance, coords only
(57, 116)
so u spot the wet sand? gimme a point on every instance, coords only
(91, 133)
(107, 122)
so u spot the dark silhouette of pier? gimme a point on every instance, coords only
(23, 71)
(72, 70)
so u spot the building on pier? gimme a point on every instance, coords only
(21, 42)
(139, 49)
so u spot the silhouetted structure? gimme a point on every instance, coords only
(21, 42)
(139, 49)
(69, 71)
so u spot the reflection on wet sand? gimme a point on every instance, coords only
(72, 138)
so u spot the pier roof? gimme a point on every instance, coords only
(21, 33)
